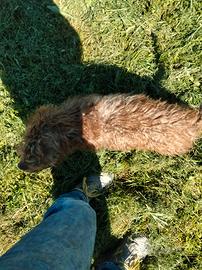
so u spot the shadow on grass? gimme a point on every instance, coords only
(41, 62)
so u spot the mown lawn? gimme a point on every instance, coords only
(49, 51)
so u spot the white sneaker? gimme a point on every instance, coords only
(127, 255)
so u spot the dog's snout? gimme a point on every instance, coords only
(22, 166)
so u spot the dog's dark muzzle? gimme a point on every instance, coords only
(22, 166)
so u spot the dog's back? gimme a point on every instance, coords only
(127, 122)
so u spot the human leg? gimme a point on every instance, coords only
(64, 240)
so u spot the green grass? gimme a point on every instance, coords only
(104, 47)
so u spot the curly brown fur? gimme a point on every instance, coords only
(115, 122)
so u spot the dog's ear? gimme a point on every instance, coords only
(68, 142)
(74, 136)
(71, 134)
(70, 139)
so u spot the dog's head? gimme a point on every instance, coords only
(47, 140)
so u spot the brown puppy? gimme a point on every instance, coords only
(116, 122)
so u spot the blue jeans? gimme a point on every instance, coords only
(64, 240)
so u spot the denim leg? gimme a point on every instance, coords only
(64, 240)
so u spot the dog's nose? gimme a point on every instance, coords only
(22, 166)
